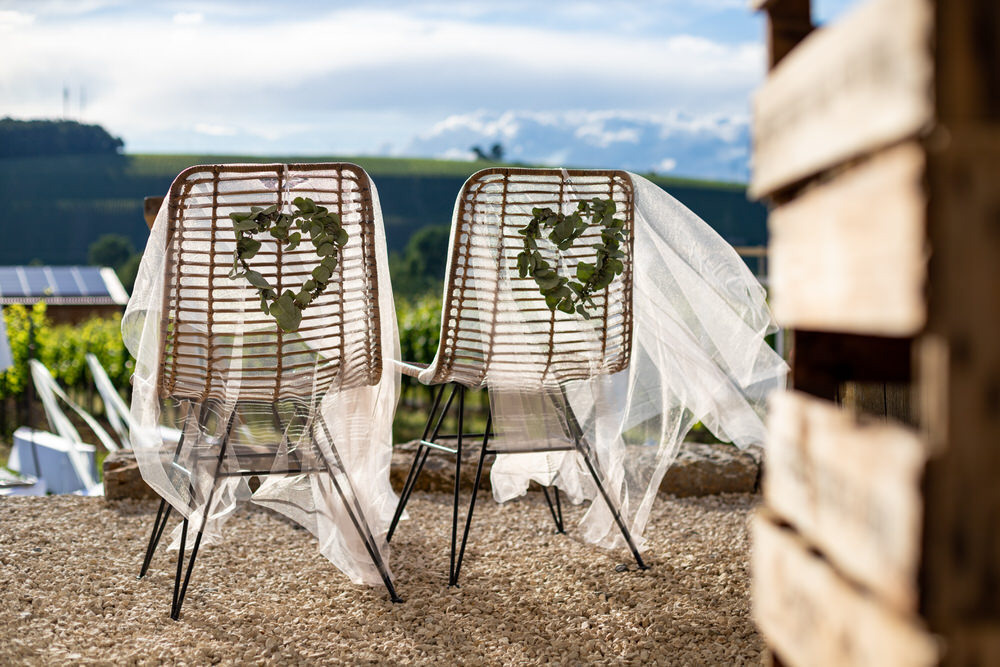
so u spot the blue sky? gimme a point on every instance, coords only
(376, 77)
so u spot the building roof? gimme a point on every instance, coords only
(61, 285)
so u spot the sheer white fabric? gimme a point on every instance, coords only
(349, 420)
(698, 354)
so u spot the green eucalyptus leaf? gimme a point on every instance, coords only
(522, 264)
(321, 273)
(285, 312)
(257, 280)
(548, 282)
(246, 248)
(244, 225)
(303, 298)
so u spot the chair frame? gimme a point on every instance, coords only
(168, 389)
(431, 438)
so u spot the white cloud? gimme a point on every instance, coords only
(11, 19)
(366, 75)
(214, 130)
(188, 18)
(707, 146)
(457, 154)
(666, 165)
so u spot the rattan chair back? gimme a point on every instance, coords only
(216, 339)
(496, 326)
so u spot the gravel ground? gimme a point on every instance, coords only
(68, 592)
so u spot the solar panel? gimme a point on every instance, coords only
(65, 280)
(10, 284)
(93, 283)
(58, 282)
(38, 282)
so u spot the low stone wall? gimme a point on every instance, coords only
(700, 470)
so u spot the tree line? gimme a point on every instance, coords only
(30, 138)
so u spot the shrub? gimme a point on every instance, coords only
(62, 348)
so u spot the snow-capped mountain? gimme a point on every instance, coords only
(714, 148)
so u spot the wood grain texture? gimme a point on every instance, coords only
(788, 23)
(852, 488)
(811, 616)
(848, 89)
(823, 361)
(849, 255)
(960, 382)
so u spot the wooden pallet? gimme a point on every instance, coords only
(877, 143)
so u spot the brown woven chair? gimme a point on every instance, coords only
(223, 359)
(479, 346)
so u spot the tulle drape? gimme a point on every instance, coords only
(352, 426)
(698, 354)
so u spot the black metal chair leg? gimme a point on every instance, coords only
(180, 590)
(356, 514)
(472, 502)
(415, 467)
(612, 506)
(422, 452)
(174, 605)
(161, 517)
(581, 446)
(555, 510)
(404, 495)
(458, 484)
(154, 537)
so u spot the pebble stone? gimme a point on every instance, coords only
(264, 595)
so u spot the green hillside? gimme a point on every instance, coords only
(55, 207)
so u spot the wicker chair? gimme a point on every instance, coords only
(543, 348)
(223, 359)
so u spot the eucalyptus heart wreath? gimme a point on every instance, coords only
(560, 292)
(325, 232)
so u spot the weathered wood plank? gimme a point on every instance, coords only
(975, 644)
(968, 48)
(884, 400)
(862, 84)
(811, 616)
(849, 255)
(852, 488)
(788, 23)
(823, 361)
(960, 382)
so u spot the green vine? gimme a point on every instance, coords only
(327, 235)
(560, 292)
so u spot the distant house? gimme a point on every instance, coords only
(71, 293)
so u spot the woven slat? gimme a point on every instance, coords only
(491, 329)
(215, 337)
